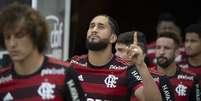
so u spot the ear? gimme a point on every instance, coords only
(113, 38)
(177, 52)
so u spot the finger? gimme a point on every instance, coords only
(135, 38)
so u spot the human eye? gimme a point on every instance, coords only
(6, 36)
(91, 25)
(20, 34)
(101, 26)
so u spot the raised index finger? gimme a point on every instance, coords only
(135, 41)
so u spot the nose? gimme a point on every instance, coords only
(187, 44)
(161, 51)
(94, 29)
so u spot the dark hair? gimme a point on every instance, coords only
(32, 20)
(127, 39)
(172, 36)
(166, 17)
(196, 28)
(112, 22)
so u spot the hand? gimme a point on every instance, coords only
(135, 52)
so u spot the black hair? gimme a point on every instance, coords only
(112, 22)
(196, 28)
(127, 39)
(166, 17)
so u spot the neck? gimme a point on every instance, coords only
(29, 65)
(100, 58)
(195, 60)
(169, 71)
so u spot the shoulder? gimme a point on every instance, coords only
(5, 69)
(55, 61)
(78, 58)
(120, 60)
(187, 72)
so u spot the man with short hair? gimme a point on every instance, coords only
(32, 76)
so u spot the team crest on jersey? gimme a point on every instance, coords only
(181, 89)
(6, 79)
(46, 90)
(111, 81)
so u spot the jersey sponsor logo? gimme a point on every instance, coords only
(117, 67)
(136, 75)
(8, 97)
(73, 91)
(52, 71)
(46, 90)
(166, 92)
(111, 81)
(75, 62)
(5, 79)
(181, 89)
(185, 77)
(184, 66)
(92, 99)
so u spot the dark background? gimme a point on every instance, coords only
(131, 15)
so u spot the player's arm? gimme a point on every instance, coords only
(73, 89)
(149, 91)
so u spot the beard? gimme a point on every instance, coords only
(164, 62)
(96, 45)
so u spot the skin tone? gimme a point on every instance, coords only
(193, 50)
(166, 47)
(134, 54)
(99, 29)
(168, 26)
(24, 54)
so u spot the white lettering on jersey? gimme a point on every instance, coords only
(111, 81)
(166, 92)
(46, 91)
(185, 77)
(5, 79)
(73, 91)
(136, 75)
(52, 71)
(117, 67)
(92, 99)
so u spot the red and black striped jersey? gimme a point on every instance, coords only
(54, 81)
(182, 84)
(115, 81)
(186, 65)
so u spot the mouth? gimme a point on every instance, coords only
(13, 53)
(162, 59)
(93, 38)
